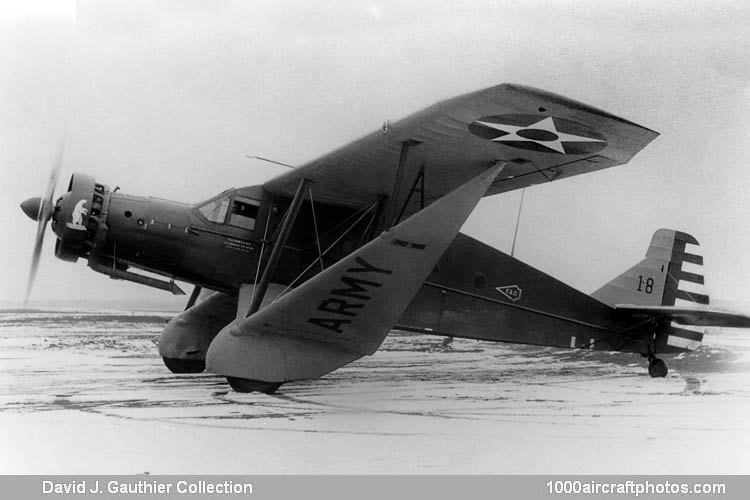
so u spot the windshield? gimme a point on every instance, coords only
(242, 213)
(215, 210)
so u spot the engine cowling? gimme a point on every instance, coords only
(79, 217)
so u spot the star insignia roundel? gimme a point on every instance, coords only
(545, 134)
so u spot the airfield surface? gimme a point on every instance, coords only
(86, 392)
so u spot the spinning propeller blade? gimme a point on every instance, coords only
(41, 209)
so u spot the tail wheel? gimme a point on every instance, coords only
(657, 368)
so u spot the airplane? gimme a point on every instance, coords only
(311, 270)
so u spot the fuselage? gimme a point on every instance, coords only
(224, 242)
(216, 244)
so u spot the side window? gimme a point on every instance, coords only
(244, 212)
(216, 209)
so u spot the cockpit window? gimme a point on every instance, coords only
(215, 210)
(244, 212)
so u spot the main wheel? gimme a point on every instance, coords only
(247, 385)
(176, 365)
(657, 368)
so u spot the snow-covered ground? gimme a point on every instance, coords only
(87, 393)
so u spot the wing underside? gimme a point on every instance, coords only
(537, 136)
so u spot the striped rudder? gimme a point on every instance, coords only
(684, 287)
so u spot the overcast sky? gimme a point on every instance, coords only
(166, 98)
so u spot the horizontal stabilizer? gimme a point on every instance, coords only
(346, 311)
(693, 316)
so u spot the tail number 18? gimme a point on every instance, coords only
(646, 285)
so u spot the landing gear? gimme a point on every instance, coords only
(176, 365)
(247, 385)
(657, 367)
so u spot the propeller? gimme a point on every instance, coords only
(41, 210)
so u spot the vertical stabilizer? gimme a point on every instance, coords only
(671, 274)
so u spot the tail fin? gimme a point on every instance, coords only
(667, 275)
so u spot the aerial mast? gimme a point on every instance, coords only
(518, 220)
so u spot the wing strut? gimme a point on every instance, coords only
(419, 180)
(390, 218)
(332, 245)
(193, 297)
(273, 260)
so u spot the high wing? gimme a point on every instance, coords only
(346, 311)
(695, 316)
(537, 135)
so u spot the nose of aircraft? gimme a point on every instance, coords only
(31, 207)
